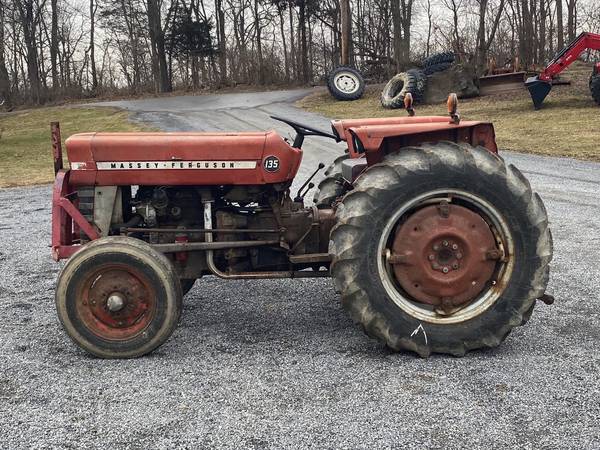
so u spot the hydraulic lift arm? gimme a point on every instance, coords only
(539, 86)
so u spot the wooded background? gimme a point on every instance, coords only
(68, 49)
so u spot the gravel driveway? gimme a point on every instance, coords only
(278, 364)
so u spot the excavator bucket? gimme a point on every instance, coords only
(538, 89)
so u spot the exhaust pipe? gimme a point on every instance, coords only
(538, 89)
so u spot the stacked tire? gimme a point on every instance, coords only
(413, 81)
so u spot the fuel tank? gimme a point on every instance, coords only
(109, 159)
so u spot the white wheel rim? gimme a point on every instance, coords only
(485, 300)
(346, 82)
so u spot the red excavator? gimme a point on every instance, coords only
(539, 86)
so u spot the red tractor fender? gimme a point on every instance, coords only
(377, 140)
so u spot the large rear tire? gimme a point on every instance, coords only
(118, 298)
(474, 188)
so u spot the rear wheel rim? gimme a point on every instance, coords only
(116, 302)
(445, 311)
(346, 82)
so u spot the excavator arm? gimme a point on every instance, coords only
(539, 86)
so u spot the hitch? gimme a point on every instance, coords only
(538, 89)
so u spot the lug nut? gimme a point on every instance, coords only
(445, 270)
(431, 257)
(455, 266)
(445, 243)
(436, 247)
(459, 255)
(454, 247)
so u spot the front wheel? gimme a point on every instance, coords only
(441, 248)
(118, 298)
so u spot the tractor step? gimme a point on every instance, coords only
(310, 258)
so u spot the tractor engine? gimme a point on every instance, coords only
(174, 215)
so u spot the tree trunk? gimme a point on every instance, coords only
(304, 43)
(259, 49)
(346, 19)
(481, 37)
(54, 45)
(560, 28)
(5, 97)
(92, 46)
(286, 62)
(26, 16)
(397, 24)
(542, 33)
(407, 7)
(572, 19)
(222, 40)
(157, 41)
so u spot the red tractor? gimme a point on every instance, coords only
(539, 86)
(435, 244)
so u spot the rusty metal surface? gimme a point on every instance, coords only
(116, 322)
(56, 146)
(444, 255)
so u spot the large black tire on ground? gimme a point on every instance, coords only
(439, 58)
(435, 68)
(595, 86)
(413, 81)
(346, 84)
(156, 270)
(332, 186)
(402, 177)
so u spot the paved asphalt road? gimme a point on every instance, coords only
(278, 364)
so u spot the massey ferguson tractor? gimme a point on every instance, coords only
(434, 243)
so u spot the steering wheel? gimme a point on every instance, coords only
(304, 130)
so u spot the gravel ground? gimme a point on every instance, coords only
(278, 364)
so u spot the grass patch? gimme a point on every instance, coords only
(566, 126)
(25, 145)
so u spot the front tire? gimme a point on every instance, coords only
(463, 182)
(117, 297)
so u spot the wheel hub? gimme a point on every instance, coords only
(346, 83)
(444, 255)
(117, 303)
